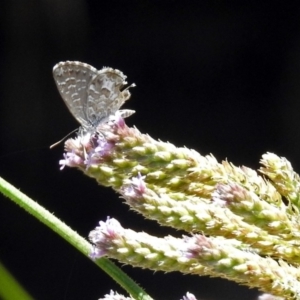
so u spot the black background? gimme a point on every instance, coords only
(218, 78)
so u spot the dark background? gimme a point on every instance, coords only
(219, 78)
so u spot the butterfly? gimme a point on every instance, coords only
(91, 95)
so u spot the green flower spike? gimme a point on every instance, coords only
(249, 225)
(286, 181)
(198, 254)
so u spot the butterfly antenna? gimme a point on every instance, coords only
(130, 86)
(57, 143)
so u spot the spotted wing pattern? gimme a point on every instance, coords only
(104, 94)
(92, 96)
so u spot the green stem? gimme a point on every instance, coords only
(10, 288)
(72, 237)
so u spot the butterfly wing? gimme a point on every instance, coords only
(105, 96)
(73, 79)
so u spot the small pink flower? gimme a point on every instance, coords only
(103, 235)
(71, 160)
(135, 188)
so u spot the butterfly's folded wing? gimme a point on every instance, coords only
(73, 79)
(104, 94)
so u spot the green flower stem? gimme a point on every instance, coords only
(10, 288)
(72, 237)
